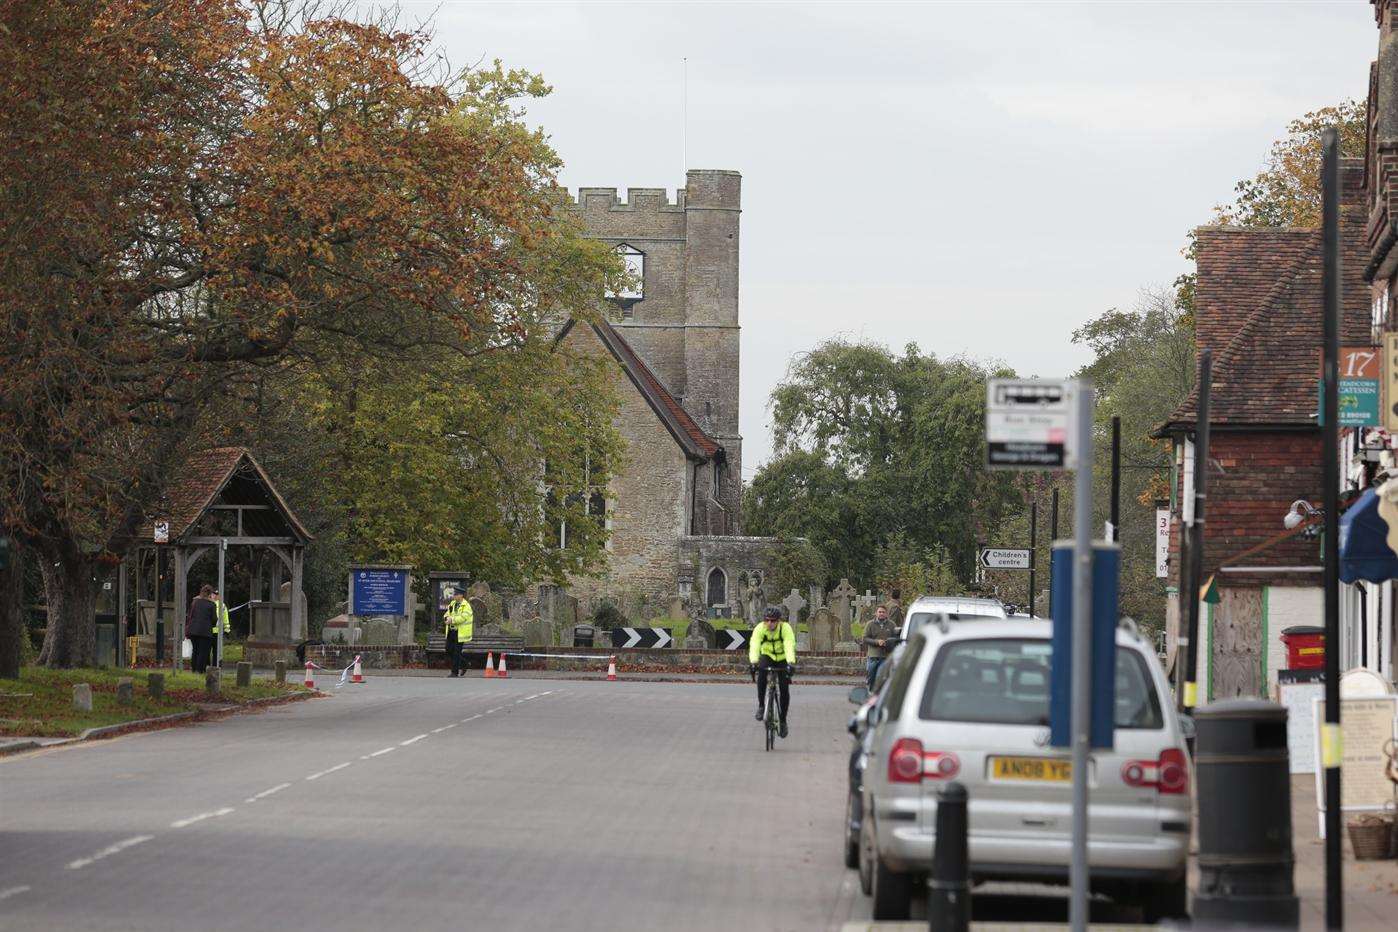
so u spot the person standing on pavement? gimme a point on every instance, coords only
(460, 624)
(877, 637)
(199, 627)
(220, 624)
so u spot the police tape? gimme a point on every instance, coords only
(513, 653)
(344, 674)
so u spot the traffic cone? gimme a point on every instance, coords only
(611, 669)
(502, 672)
(490, 665)
(356, 676)
(310, 675)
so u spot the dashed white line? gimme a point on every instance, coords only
(265, 793)
(317, 776)
(471, 719)
(201, 817)
(107, 852)
(381, 751)
(438, 731)
(403, 744)
(496, 709)
(13, 891)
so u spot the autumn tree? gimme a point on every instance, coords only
(198, 192)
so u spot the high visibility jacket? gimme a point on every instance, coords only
(221, 618)
(460, 617)
(779, 644)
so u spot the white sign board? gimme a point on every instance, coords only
(1299, 699)
(162, 532)
(1027, 423)
(997, 559)
(1162, 543)
(1366, 726)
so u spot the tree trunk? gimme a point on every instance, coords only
(71, 640)
(12, 614)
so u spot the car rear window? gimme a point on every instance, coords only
(917, 620)
(1005, 681)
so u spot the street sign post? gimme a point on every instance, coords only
(1078, 876)
(995, 558)
(1027, 423)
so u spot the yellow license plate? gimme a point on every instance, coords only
(1038, 769)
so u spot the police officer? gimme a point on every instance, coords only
(220, 623)
(460, 623)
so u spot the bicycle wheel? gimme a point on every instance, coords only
(771, 718)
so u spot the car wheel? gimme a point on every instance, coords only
(851, 835)
(1165, 901)
(866, 857)
(892, 892)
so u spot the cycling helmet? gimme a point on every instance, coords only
(772, 614)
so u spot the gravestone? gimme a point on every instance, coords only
(378, 632)
(794, 603)
(82, 697)
(825, 629)
(757, 600)
(675, 610)
(817, 597)
(480, 611)
(557, 606)
(244, 673)
(487, 631)
(848, 647)
(803, 642)
(155, 685)
(279, 671)
(537, 633)
(124, 691)
(866, 603)
(702, 633)
(842, 604)
(213, 683)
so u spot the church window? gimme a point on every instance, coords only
(718, 587)
(634, 288)
(590, 500)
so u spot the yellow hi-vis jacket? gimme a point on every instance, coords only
(779, 644)
(460, 617)
(221, 618)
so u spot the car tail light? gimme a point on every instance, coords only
(905, 761)
(909, 763)
(1169, 774)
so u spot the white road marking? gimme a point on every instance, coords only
(381, 751)
(535, 696)
(265, 793)
(438, 731)
(201, 817)
(12, 891)
(496, 709)
(107, 852)
(317, 776)
(403, 744)
(471, 719)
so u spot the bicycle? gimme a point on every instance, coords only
(771, 719)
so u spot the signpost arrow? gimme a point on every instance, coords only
(994, 558)
(633, 637)
(663, 637)
(736, 639)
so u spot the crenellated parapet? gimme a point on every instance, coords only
(638, 200)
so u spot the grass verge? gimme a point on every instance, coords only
(40, 702)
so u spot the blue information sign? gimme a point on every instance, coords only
(1106, 576)
(379, 592)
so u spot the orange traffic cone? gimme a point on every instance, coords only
(490, 665)
(310, 675)
(356, 676)
(502, 672)
(611, 669)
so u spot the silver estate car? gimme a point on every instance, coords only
(953, 608)
(969, 701)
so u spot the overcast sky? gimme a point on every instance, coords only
(978, 177)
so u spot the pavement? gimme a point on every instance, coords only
(427, 802)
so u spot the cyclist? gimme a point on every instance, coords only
(773, 647)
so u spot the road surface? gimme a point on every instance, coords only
(419, 804)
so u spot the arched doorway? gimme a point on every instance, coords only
(718, 587)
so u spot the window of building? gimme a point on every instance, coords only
(591, 498)
(718, 587)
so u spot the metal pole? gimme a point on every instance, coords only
(222, 601)
(1033, 546)
(1082, 654)
(1053, 536)
(1196, 542)
(1115, 536)
(1330, 457)
(159, 621)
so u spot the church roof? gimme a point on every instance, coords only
(691, 437)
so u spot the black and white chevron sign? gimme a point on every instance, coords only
(731, 639)
(642, 637)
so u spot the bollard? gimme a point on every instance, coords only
(82, 697)
(124, 689)
(949, 887)
(244, 673)
(279, 671)
(1244, 797)
(155, 685)
(213, 682)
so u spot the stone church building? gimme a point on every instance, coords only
(675, 511)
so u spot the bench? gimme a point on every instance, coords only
(437, 644)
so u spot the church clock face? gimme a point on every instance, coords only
(634, 289)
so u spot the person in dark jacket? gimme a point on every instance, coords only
(200, 628)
